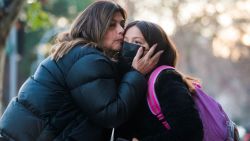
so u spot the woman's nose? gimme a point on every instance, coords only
(120, 29)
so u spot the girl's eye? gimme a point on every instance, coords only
(137, 42)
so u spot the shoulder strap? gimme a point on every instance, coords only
(152, 100)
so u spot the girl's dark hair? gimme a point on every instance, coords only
(88, 28)
(153, 33)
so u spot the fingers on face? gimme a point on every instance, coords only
(157, 56)
(154, 59)
(139, 53)
(151, 51)
(149, 61)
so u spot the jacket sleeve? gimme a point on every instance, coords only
(179, 109)
(103, 99)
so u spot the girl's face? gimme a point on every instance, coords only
(134, 35)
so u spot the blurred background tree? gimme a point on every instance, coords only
(8, 13)
(213, 39)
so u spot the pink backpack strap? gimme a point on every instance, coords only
(152, 100)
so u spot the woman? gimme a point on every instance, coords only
(172, 91)
(78, 92)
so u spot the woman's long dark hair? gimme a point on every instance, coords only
(153, 33)
(88, 28)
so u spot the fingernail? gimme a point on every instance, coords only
(141, 49)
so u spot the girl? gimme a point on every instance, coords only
(172, 92)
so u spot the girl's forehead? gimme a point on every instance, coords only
(133, 32)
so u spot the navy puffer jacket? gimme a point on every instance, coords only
(75, 98)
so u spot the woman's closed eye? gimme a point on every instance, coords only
(122, 23)
(112, 24)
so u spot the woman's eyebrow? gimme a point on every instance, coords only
(118, 20)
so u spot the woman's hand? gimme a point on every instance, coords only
(145, 64)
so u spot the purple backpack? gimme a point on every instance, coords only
(216, 124)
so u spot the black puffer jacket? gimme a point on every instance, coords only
(82, 92)
(178, 108)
